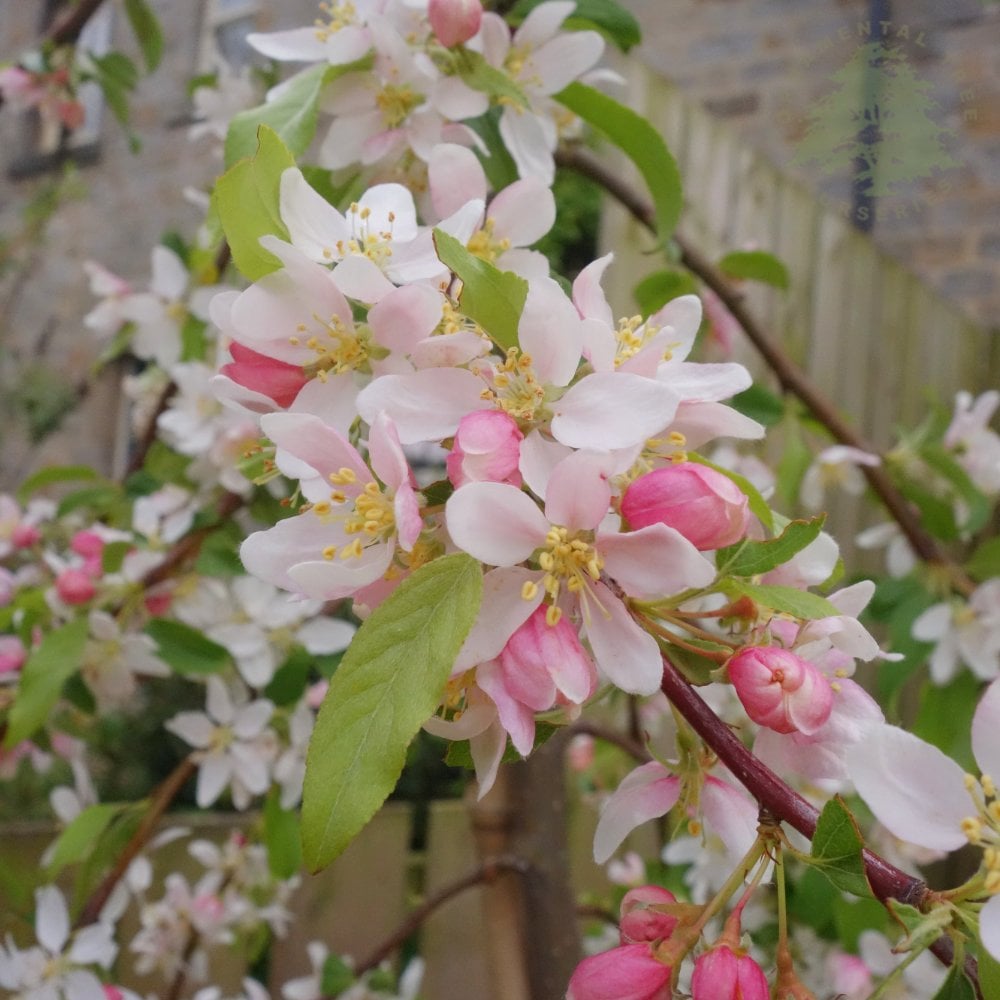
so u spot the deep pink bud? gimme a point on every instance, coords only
(454, 21)
(87, 543)
(75, 586)
(781, 690)
(487, 449)
(113, 993)
(721, 974)
(12, 654)
(24, 536)
(630, 972)
(706, 507)
(278, 380)
(640, 923)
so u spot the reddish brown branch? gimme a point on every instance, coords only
(791, 378)
(489, 871)
(164, 795)
(66, 29)
(785, 804)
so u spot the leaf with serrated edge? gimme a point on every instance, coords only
(491, 297)
(751, 558)
(836, 849)
(388, 684)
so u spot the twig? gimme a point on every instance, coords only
(489, 871)
(138, 456)
(791, 378)
(784, 803)
(164, 795)
(66, 29)
(584, 727)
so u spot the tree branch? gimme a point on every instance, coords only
(490, 870)
(66, 29)
(790, 377)
(785, 804)
(164, 795)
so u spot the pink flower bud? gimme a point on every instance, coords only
(781, 690)
(639, 922)
(630, 972)
(113, 993)
(24, 536)
(158, 602)
(12, 654)
(580, 752)
(74, 586)
(722, 974)
(278, 380)
(454, 21)
(87, 543)
(487, 449)
(706, 507)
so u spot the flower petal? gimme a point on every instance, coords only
(648, 792)
(495, 522)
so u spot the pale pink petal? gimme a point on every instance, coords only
(297, 45)
(391, 210)
(627, 654)
(406, 511)
(345, 138)
(325, 635)
(495, 522)
(213, 776)
(913, 789)
(986, 732)
(51, 919)
(386, 453)
(608, 410)
(329, 580)
(455, 176)
(702, 422)
(406, 316)
(989, 926)
(654, 561)
(170, 276)
(683, 316)
(195, 728)
(704, 382)
(563, 59)
(523, 211)
(456, 100)
(315, 227)
(549, 331)
(252, 718)
(578, 494)
(539, 456)
(731, 814)
(530, 142)
(588, 295)
(516, 718)
(426, 405)
(542, 23)
(251, 768)
(360, 278)
(487, 752)
(504, 610)
(647, 793)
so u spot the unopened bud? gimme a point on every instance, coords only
(631, 971)
(639, 922)
(75, 586)
(12, 654)
(487, 449)
(723, 974)
(454, 21)
(706, 507)
(781, 690)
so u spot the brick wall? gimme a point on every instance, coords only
(765, 66)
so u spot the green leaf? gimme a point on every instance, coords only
(336, 976)
(220, 552)
(492, 298)
(985, 560)
(290, 679)
(795, 459)
(53, 474)
(635, 137)
(937, 513)
(791, 600)
(836, 849)
(499, 165)
(77, 841)
(98, 500)
(42, 678)
(281, 837)
(147, 31)
(750, 558)
(956, 986)
(758, 505)
(106, 850)
(977, 506)
(186, 649)
(945, 717)
(247, 197)
(989, 975)
(478, 74)
(292, 117)
(388, 684)
(755, 265)
(113, 555)
(606, 16)
(760, 404)
(696, 669)
(657, 289)
(117, 76)
(922, 929)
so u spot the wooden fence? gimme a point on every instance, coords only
(875, 338)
